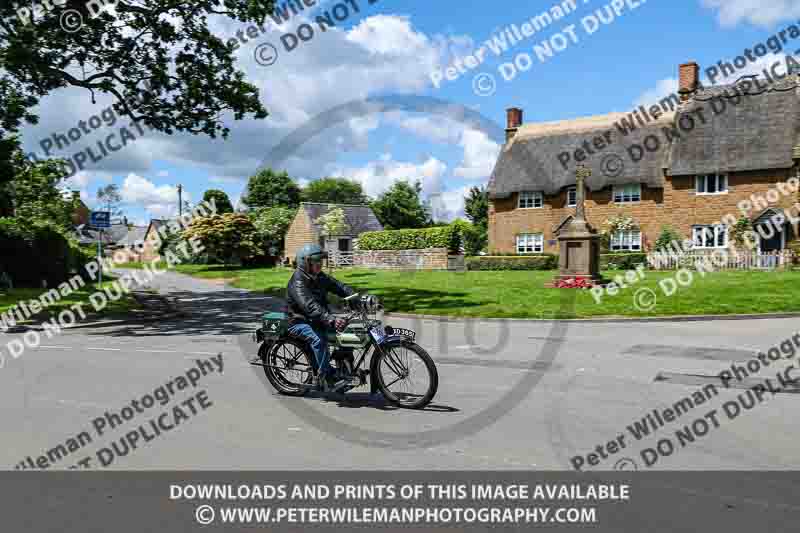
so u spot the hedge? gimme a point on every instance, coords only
(32, 253)
(519, 262)
(627, 261)
(411, 239)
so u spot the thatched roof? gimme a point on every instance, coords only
(759, 131)
(749, 126)
(359, 218)
(530, 161)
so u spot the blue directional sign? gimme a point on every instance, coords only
(100, 219)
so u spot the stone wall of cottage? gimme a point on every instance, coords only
(676, 205)
(425, 259)
(300, 233)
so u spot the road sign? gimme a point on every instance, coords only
(100, 219)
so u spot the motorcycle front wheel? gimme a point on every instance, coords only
(407, 376)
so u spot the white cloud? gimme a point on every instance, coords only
(382, 54)
(377, 176)
(163, 174)
(480, 155)
(764, 13)
(158, 201)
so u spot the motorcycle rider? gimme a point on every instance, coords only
(309, 315)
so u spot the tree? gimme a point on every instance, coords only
(228, 238)
(220, 199)
(476, 206)
(333, 223)
(110, 198)
(193, 85)
(271, 189)
(335, 191)
(35, 196)
(272, 223)
(400, 207)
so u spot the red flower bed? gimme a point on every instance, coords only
(574, 283)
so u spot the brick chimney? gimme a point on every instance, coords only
(513, 122)
(688, 79)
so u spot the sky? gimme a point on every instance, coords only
(603, 57)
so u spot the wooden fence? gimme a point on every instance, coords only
(721, 260)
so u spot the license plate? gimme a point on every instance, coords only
(404, 333)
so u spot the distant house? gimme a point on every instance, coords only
(150, 238)
(81, 214)
(305, 230)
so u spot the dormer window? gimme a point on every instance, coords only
(631, 192)
(530, 200)
(572, 197)
(711, 184)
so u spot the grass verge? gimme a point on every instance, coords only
(521, 294)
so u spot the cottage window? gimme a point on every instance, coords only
(711, 184)
(715, 236)
(530, 243)
(631, 192)
(530, 200)
(572, 197)
(628, 241)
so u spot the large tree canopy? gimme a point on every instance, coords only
(335, 191)
(268, 188)
(165, 44)
(220, 199)
(401, 207)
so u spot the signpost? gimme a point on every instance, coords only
(100, 220)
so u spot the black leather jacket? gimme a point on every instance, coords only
(307, 298)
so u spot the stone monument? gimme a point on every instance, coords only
(579, 244)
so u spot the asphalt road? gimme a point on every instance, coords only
(513, 395)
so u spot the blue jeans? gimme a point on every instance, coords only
(317, 338)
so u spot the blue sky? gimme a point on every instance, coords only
(393, 47)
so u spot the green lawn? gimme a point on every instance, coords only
(121, 306)
(521, 294)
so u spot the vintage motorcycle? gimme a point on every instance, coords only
(399, 368)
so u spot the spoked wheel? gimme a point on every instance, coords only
(288, 366)
(407, 376)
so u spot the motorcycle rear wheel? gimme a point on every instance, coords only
(288, 366)
(401, 368)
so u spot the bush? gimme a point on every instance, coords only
(519, 262)
(31, 253)
(624, 261)
(666, 238)
(412, 239)
(474, 238)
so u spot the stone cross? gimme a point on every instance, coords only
(581, 173)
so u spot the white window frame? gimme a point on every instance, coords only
(627, 194)
(572, 197)
(626, 241)
(701, 182)
(530, 243)
(716, 231)
(530, 197)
